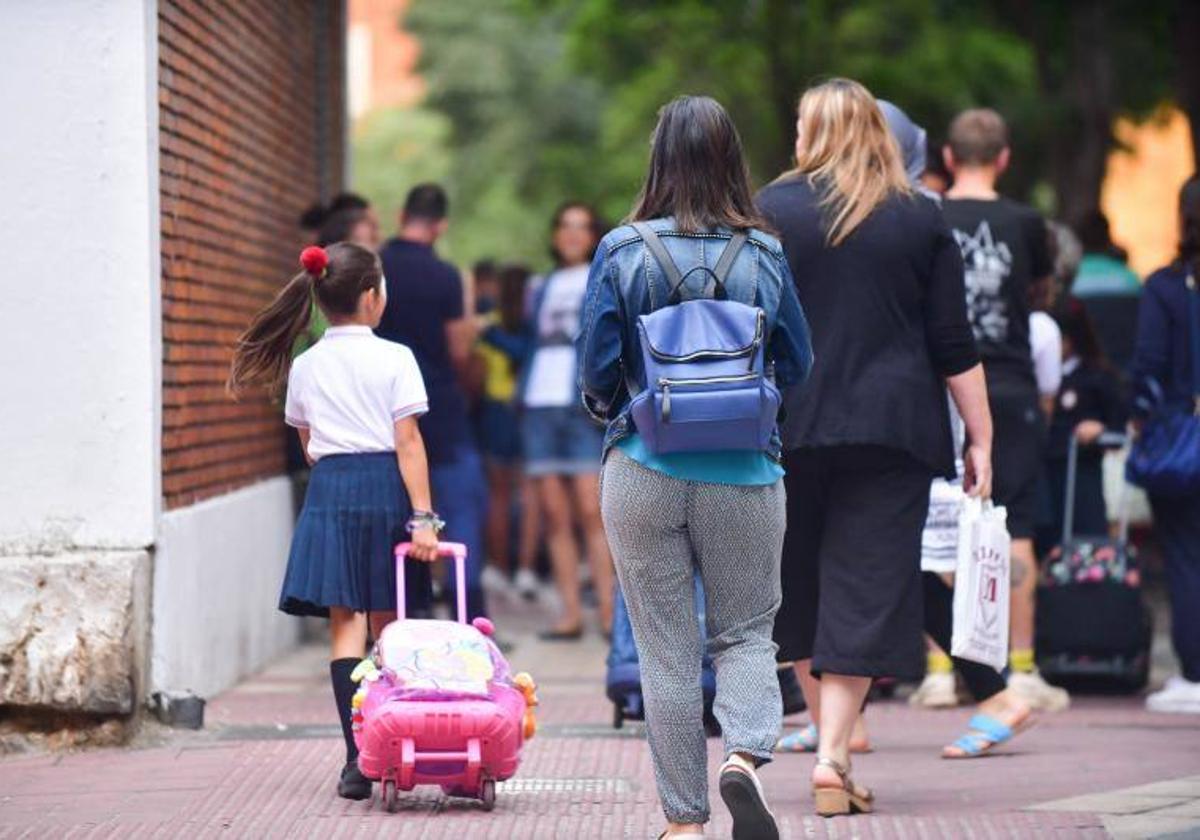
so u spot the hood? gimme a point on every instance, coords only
(910, 137)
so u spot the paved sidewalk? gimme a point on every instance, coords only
(265, 767)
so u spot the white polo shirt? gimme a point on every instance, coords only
(350, 388)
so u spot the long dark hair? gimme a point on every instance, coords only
(697, 170)
(511, 305)
(1078, 328)
(264, 351)
(1189, 222)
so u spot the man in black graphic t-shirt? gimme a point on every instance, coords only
(1005, 251)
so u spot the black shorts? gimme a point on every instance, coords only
(852, 561)
(1017, 449)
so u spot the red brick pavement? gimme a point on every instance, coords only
(265, 766)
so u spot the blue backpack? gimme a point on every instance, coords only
(705, 387)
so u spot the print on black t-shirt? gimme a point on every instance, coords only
(1005, 252)
(987, 265)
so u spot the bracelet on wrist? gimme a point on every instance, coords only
(421, 519)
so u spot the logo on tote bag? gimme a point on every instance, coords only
(991, 568)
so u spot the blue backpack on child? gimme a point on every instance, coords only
(706, 388)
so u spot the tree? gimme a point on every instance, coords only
(929, 57)
(1095, 61)
(523, 127)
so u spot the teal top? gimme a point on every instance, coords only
(726, 466)
(1100, 274)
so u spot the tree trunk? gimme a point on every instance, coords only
(1080, 153)
(1187, 51)
(784, 85)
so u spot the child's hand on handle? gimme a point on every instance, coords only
(424, 544)
(978, 478)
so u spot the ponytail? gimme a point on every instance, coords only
(264, 351)
(336, 277)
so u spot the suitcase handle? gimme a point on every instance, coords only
(1107, 440)
(445, 549)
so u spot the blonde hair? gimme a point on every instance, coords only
(845, 147)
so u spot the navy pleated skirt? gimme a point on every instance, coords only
(354, 513)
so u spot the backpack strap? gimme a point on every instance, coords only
(661, 255)
(675, 278)
(721, 271)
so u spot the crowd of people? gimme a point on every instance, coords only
(917, 328)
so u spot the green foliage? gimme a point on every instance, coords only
(531, 102)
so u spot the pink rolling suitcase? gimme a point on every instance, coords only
(438, 705)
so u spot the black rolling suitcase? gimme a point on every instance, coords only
(1093, 627)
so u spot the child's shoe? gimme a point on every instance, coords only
(353, 784)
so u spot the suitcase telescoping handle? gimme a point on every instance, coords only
(446, 549)
(1107, 440)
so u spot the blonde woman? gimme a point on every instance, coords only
(881, 281)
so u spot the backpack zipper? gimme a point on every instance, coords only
(666, 384)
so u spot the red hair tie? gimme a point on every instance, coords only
(315, 260)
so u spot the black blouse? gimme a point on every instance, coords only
(887, 309)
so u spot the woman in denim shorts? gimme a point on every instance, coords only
(561, 443)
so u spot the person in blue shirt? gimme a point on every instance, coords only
(425, 312)
(1164, 354)
(1104, 269)
(718, 513)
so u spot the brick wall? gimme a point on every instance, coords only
(251, 132)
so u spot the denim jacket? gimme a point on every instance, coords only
(625, 281)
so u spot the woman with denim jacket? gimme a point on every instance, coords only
(718, 513)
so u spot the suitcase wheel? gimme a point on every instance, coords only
(618, 716)
(391, 796)
(487, 794)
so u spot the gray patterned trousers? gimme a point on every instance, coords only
(660, 529)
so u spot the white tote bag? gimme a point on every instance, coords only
(981, 585)
(939, 538)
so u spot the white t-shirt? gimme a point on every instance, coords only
(1045, 345)
(350, 388)
(552, 373)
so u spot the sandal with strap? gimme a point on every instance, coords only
(801, 741)
(984, 734)
(807, 740)
(847, 799)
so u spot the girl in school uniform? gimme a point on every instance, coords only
(354, 399)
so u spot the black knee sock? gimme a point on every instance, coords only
(343, 692)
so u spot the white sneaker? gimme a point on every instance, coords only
(1037, 693)
(527, 584)
(1178, 696)
(936, 691)
(494, 581)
